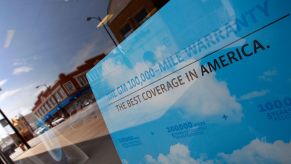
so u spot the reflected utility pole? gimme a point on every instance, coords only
(103, 22)
(42, 85)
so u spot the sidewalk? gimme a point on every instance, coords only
(87, 126)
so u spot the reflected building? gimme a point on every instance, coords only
(128, 15)
(23, 127)
(31, 120)
(67, 95)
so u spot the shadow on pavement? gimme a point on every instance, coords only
(99, 150)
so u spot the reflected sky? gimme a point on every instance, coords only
(40, 39)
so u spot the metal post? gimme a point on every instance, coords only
(15, 130)
(99, 18)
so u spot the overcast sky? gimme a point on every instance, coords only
(40, 39)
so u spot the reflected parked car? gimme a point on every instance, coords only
(86, 103)
(58, 121)
(40, 130)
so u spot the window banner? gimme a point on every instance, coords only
(201, 81)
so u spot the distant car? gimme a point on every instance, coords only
(86, 103)
(40, 130)
(58, 121)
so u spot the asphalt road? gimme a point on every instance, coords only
(82, 138)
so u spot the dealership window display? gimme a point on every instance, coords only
(145, 81)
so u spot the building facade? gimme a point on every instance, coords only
(66, 95)
(128, 15)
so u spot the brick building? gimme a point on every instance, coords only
(128, 15)
(66, 95)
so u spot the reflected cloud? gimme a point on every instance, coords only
(9, 38)
(12, 107)
(84, 54)
(10, 93)
(22, 69)
(254, 94)
(2, 82)
(268, 75)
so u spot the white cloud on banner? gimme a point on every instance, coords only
(257, 151)
(148, 110)
(114, 72)
(254, 94)
(161, 51)
(268, 75)
(124, 161)
(210, 97)
(179, 154)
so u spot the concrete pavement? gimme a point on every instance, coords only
(82, 138)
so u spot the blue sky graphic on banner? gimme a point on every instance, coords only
(201, 82)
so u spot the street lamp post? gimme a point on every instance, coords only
(101, 22)
(41, 85)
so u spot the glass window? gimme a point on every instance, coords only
(62, 94)
(36, 114)
(48, 104)
(42, 111)
(45, 107)
(69, 86)
(126, 30)
(82, 80)
(141, 16)
(58, 97)
(53, 101)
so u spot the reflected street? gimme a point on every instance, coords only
(86, 126)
